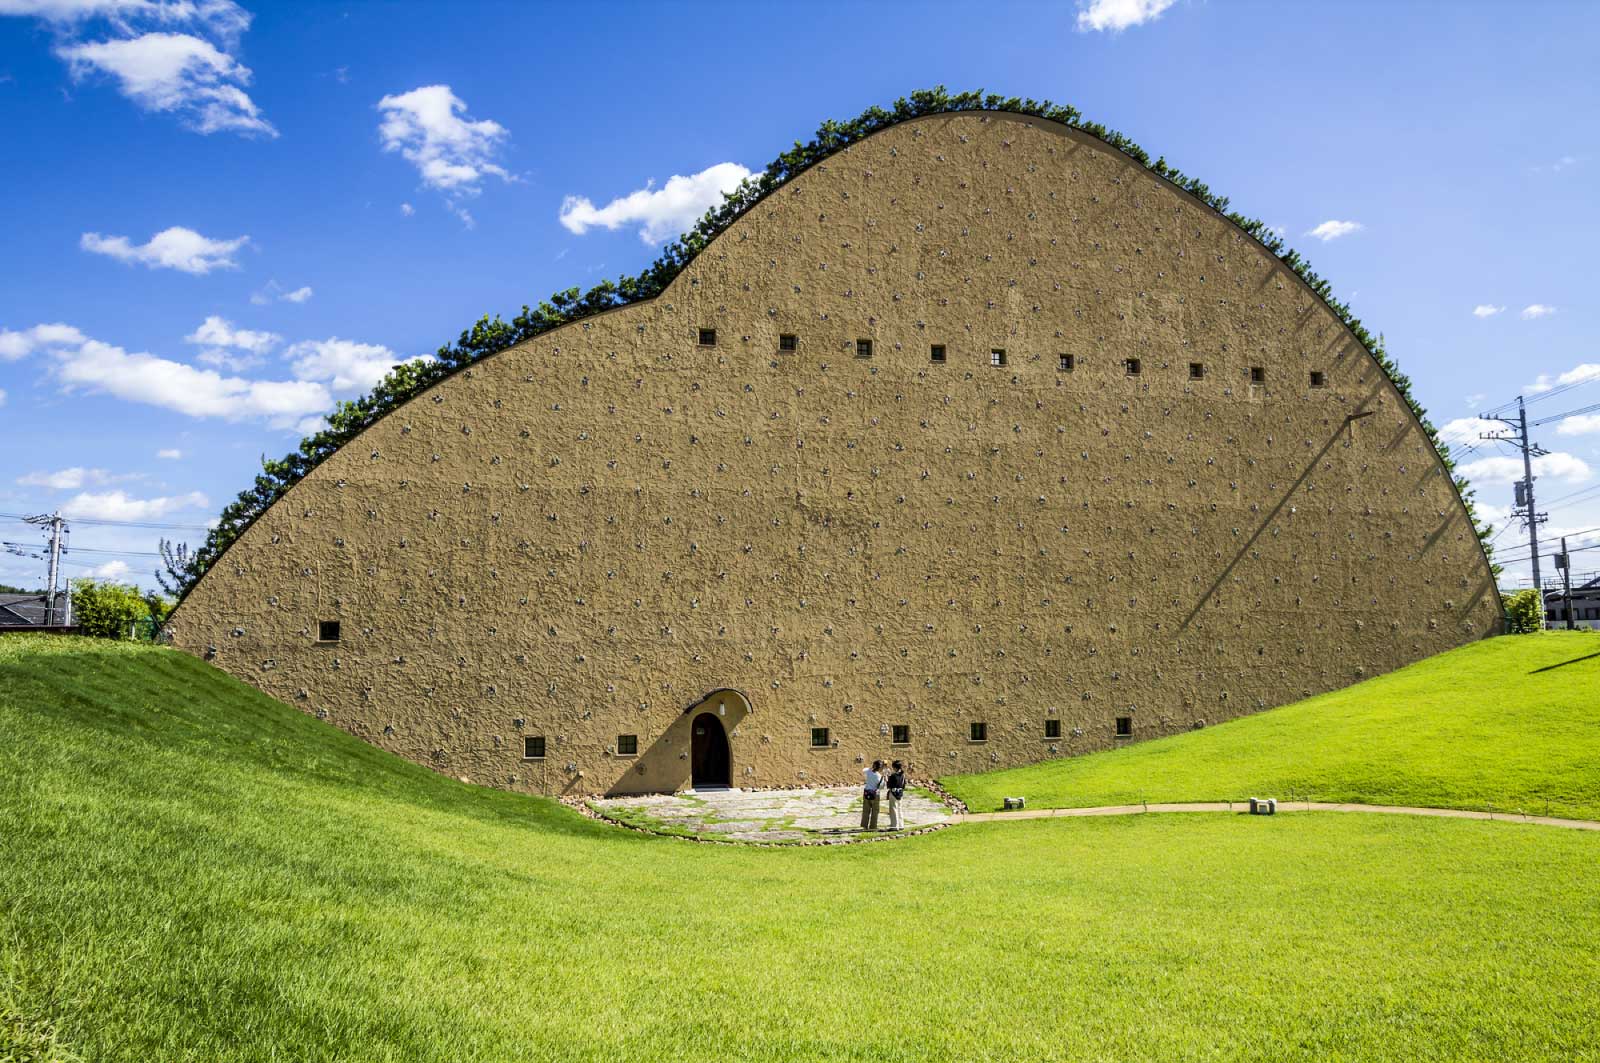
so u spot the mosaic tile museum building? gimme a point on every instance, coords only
(974, 444)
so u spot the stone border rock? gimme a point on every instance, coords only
(949, 800)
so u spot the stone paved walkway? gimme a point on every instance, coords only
(830, 814)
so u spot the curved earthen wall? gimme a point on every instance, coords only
(580, 537)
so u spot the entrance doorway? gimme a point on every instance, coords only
(708, 755)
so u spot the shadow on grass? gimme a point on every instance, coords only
(1563, 664)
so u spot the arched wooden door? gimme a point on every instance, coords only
(709, 753)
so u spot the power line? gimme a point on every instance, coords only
(122, 523)
(1591, 408)
(1559, 389)
(1570, 535)
(114, 553)
(1577, 495)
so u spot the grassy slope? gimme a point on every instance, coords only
(1479, 727)
(191, 871)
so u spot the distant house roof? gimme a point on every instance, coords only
(24, 610)
(1586, 590)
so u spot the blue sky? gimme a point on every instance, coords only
(217, 219)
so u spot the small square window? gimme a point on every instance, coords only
(327, 631)
(788, 343)
(1066, 363)
(1132, 365)
(1197, 370)
(819, 737)
(708, 337)
(1318, 379)
(1052, 728)
(863, 348)
(902, 734)
(1124, 726)
(533, 747)
(1258, 375)
(980, 732)
(997, 357)
(627, 745)
(936, 353)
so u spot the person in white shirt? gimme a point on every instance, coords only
(871, 787)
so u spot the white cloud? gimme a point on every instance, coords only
(178, 73)
(14, 345)
(320, 368)
(233, 361)
(660, 213)
(223, 18)
(1487, 310)
(175, 248)
(406, 210)
(195, 392)
(1578, 374)
(272, 290)
(1583, 424)
(169, 453)
(1563, 163)
(429, 127)
(2, 396)
(117, 505)
(111, 570)
(1332, 230)
(344, 364)
(1537, 310)
(1504, 470)
(217, 331)
(231, 348)
(1462, 430)
(1491, 514)
(72, 10)
(1118, 15)
(67, 479)
(82, 362)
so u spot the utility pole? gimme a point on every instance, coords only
(1564, 563)
(1525, 508)
(58, 531)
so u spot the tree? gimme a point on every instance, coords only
(179, 568)
(1522, 612)
(116, 610)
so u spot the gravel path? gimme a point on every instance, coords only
(1283, 806)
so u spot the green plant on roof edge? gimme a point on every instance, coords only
(489, 336)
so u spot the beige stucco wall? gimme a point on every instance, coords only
(582, 536)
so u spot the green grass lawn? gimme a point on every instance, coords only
(191, 871)
(1501, 725)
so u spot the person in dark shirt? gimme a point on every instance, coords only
(896, 784)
